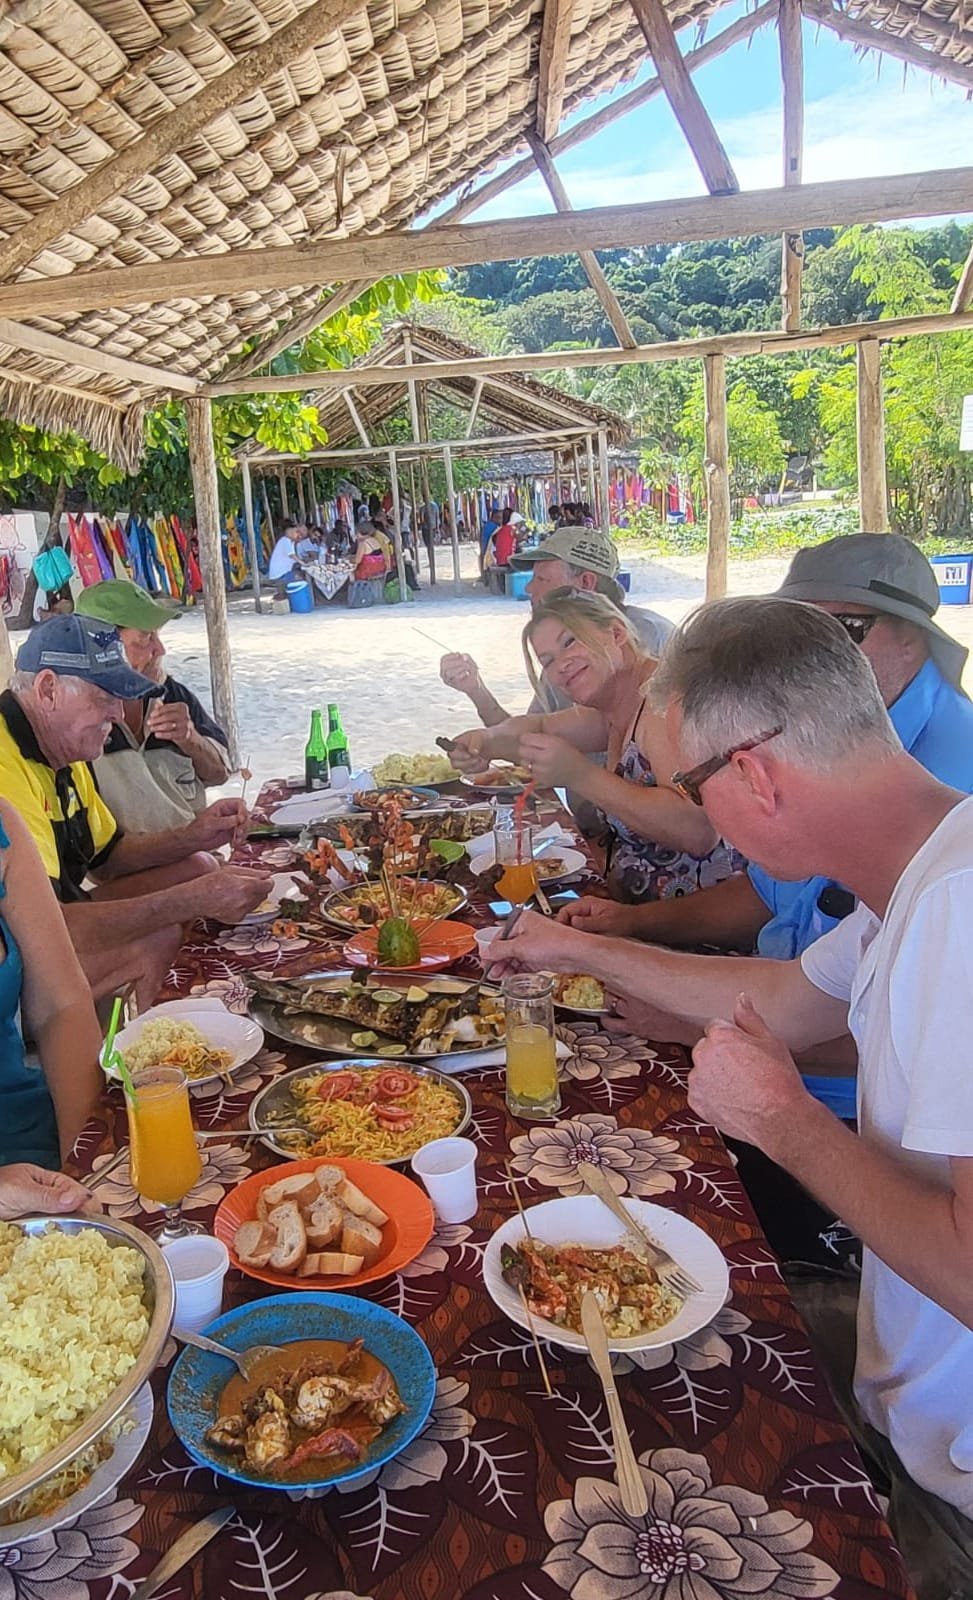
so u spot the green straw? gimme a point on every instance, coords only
(113, 1058)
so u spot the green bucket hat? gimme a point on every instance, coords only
(126, 605)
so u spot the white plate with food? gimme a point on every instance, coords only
(302, 809)
(365, 904)
(499, 778)
(581, 994)
(121, 1461)
(553, 1285)
(200, 1036)
(553, 864)
(286, 886)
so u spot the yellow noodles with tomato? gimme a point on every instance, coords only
(342, 1127)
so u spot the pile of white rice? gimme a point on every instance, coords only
(72, 1322)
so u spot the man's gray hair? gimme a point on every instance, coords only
(738, 668)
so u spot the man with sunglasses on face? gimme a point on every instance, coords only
(883, 592)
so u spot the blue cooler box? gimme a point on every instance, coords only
(953, 574)
(517, 583)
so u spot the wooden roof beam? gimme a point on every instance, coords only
(66, 351)
(174, 130)
(758, 342)
(814, 205)
(683, 96)
(355, 416)
(964, 289)
(592, 266)
(425, 448)
(552, 69)
(862, 33)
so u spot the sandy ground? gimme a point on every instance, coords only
(383, 671)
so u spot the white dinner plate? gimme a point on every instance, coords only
(584, 1219)
(223, 1029)
(286, 886)
(103, 1480)
(483, 854)
(303, 809)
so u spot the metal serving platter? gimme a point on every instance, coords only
(340, 896)
(333, 1034)
(276, 1097)
(159, 1301)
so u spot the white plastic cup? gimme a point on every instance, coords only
(198, 1265)
(484, 938)
(447, 1170)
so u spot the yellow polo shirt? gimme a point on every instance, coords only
(69, 822)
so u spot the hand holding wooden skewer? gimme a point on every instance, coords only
(523, 1298)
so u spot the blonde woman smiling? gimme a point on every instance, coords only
(660, 844)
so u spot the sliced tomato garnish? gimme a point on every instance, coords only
(339, 1085)
(396, 1117)
(393, 1085)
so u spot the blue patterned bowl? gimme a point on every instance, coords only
(198, 1379)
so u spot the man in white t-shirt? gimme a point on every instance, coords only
(284, 559)
(783, 735)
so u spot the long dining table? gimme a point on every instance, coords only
(754, 1486)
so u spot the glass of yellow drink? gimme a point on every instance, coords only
(532, 1086)
(164, 1154)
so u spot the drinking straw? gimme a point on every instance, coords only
(114, 1058)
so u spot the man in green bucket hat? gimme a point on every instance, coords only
(159, 760)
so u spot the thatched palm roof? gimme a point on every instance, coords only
(332, 133)
(509, 404)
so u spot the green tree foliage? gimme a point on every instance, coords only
(757, 452)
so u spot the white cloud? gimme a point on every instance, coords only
(878, 127)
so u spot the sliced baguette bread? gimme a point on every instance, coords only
(351, 1197)
(291, 1248)
(359, 1237)
(330, 1263)
(255, 1243)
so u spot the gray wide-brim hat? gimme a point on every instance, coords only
(886, 573)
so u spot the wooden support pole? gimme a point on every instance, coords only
(683, 96)
(592, 491)
(872, 495)
(814, 205)
(475, 407)
(302, 504)
(355, 415)
(716, 468)
(451, 497)
(552, 65)
(206, 492)
(592, 266)
(397, 527)
(251, 533)
(791, 40)
(605, 508)
(266, 503)
(282, 480)
(964, 289)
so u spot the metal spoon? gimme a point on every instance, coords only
(244, 1360)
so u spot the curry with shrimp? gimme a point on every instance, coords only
(314, 1408)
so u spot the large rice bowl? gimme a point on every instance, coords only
(73, 1320)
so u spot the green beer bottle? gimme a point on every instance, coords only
(316, 755)
(339, 756)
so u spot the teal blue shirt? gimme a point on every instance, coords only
(28, 1126)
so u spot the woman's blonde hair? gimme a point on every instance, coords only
(588, 616)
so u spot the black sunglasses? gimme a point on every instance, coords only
(857, 624)
(689, 783)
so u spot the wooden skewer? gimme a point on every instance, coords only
(520, 1288)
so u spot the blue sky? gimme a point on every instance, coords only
(864, 117)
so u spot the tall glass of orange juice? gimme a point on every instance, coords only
(532, 1086)
(164, 1153)
(518, 880)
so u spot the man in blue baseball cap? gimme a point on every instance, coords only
(68, 689)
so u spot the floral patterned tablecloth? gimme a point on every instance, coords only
(754, 1487)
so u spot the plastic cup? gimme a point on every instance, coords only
(198, 1265)
(484, 938)
(447, 1171)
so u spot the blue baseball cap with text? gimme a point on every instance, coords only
(83, 647)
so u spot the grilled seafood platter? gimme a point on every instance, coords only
(366, 904)
(387, 1015)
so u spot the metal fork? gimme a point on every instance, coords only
(671, 1273)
